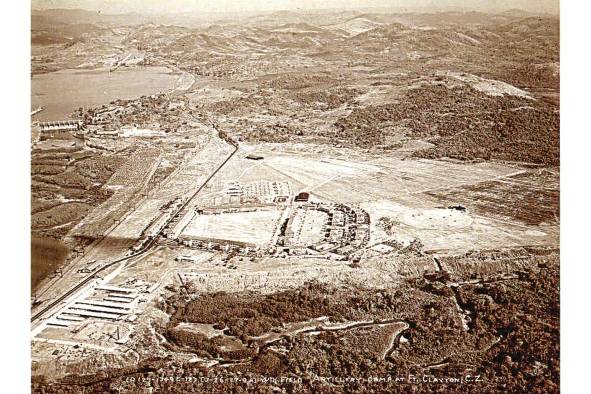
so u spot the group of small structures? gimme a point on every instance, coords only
(61, 129)
(267, 218)
(319, 228)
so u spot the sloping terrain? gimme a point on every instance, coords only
(424, 151)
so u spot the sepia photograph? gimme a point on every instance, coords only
(316, 196)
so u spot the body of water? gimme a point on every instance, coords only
(62, 92)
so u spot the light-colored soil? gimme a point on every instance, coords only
(490, 86)
(307, 226)
(250, 227)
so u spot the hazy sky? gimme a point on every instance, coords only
(171, 6)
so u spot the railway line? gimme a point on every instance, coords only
(146, 247)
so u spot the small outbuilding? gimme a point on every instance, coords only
(302, 197)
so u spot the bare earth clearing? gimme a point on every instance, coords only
(306, 195)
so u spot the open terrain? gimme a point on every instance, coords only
(295, 202)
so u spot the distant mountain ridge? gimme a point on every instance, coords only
(46, 18)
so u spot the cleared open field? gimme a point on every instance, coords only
(411, 194)
(401, 180)
(307, 226)
(367, 178)
(531, 198)
(425, 243)
(441, 229)
(249, 227)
